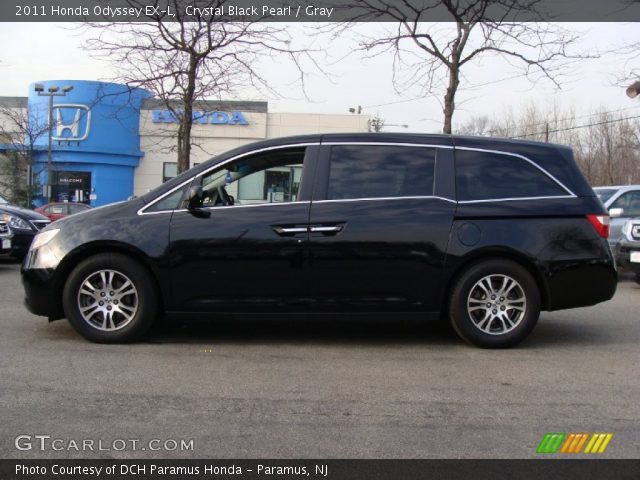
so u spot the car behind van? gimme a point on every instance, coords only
(484, 231)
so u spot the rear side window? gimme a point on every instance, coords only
(76, 208)
(370, 171)
(486, 176)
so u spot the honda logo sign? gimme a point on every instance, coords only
(72, 122)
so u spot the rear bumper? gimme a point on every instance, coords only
(586, 275)
(582, 286)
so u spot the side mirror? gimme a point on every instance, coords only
(616, 212)
(195, 196)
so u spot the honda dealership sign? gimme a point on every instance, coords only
(213, 118)
(72, 122)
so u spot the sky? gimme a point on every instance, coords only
(31, 52)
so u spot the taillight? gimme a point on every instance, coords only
(600, 223)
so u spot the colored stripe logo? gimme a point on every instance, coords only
(556, 442)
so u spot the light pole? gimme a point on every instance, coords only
(52, 91)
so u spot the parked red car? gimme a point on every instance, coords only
(57, 210)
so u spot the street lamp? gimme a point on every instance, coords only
(634, 90)
(52, 91)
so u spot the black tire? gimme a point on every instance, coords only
(517, 328)
(126, 328)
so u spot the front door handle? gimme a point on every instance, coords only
(289, 231)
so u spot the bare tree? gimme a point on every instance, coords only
(19, 131)
(432, 56)
(182, 60)
(376, 124)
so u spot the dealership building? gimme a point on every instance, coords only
(109, 142)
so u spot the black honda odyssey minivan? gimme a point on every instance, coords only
(486, 232)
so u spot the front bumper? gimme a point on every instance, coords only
(42, 291)
(20, 242)
(627, 253)
(6, 241)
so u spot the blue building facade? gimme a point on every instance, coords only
(95, 140)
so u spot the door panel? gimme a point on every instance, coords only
(238, 257)
(247, 256)
(388, 254)
(385, 251)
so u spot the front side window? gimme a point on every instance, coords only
(488, 176)
(76, 208)
(380, 171)
(170, 202)
(629, 202)
(270, 177)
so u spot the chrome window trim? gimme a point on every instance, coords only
(272, 204)
(515, 199)
(401, 144)
(141, 211)
(373, 199)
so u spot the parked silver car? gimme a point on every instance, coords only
(627, 248)
(623, 203)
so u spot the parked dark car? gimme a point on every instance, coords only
(628, 248)
(5, 238)
(488, 232)
(57, 210)
(24, 225)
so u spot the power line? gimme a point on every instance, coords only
(495, 130)
(616, 120)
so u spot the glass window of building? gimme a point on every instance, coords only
(169, 171)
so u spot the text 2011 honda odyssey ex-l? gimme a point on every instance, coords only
(489, 232)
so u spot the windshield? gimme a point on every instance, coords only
(605, 194)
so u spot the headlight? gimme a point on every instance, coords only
(43, 238)
(15, 222)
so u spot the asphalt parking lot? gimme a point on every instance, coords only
(311, 387)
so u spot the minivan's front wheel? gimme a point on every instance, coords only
(110, 298)
(494, 304)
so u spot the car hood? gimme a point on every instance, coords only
(22, 212)
(99, 214)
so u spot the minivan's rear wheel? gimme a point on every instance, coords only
(110, 298)
(494, 304)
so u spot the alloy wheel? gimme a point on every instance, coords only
(496, 304)
(107, 300)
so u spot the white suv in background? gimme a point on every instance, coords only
(627, 249)
(623, 203)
